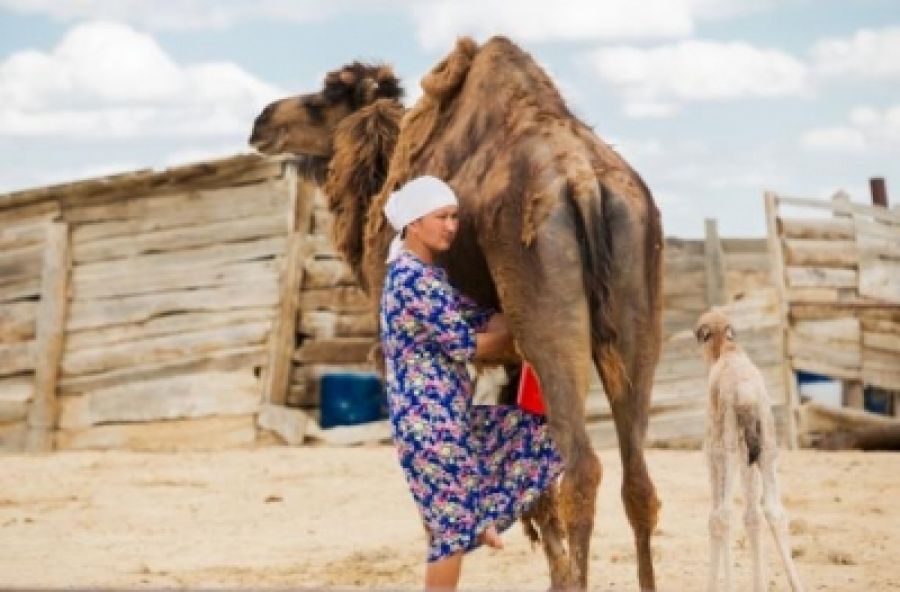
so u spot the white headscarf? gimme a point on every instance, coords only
(417, 198)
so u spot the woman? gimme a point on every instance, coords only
(472, 470)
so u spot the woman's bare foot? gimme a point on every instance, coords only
(491, 538)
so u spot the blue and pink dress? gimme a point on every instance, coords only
(467, 466)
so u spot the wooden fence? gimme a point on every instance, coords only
(136, 310)
(733, 273)
(198, 307)
(837, 272)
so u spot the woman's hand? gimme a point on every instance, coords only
(496, 343)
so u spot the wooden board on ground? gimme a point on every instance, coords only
(209, 433)
(289, 424)
(211, 393)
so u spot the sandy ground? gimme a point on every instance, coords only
(342, 518)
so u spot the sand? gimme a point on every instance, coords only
(342, 518)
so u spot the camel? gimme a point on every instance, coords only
(740, 432)
(556, 230)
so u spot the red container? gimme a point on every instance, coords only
(529, 396)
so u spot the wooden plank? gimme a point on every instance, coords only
(39, 211)
(687, 302)
(16, 393)
(839, 353)
(345, 299)
(211, 433)
(12, 436)
(776, 246)
(166, 279)
(821, 277)
(843, 207)
(51, 321)
(745, 262)
(181, 238)
(18, 321)
(86, 314)
(20, 289)
(183, 396)
(282, 340)
(203, 257)
(881, 377)
(733, 245)
(141, 215)
(289, 424)
(16, 357)
(684, 264)
(818, 366)
(166, 325)
(690, 282)
(373, 432)
(166, 348)
(880, 325)
(21, 263)
(882, 341)
(817, 228)
(879, 260)
(242, 357)
(715, 265)
(324, 324)
(335, 351)
(820, 253)
(23, 234)
(843, 329)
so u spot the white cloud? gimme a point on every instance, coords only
(867, 128)
(655, 81)
(868, 53)
(439, 22)
(173, 15)
(106, 80)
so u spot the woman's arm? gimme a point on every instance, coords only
(496, 344)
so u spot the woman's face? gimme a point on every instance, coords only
(437, 229)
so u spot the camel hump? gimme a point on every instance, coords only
(448, 75)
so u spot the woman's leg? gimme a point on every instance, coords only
(490, 537)
(443, 575)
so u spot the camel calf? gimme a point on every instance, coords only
(740, 431)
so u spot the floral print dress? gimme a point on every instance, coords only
(467, 466)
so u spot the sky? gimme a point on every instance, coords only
(711, 101)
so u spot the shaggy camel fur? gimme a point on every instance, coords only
(556, 230)
(740, 431)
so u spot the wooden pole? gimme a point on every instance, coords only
(282, 340)
(776, 262)
(51, 317)
(715, 265)
(878, 191)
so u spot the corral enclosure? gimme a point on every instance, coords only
(198, 307)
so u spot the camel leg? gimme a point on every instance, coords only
(753, 520)
(720, 478)
(582, 474)
(541, 291)
(776, 517)
(544, 514)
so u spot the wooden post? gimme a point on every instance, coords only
(851, 390)
(715, 265)
(51, 318)
(879, 192)
(284, 328)
(776, 262)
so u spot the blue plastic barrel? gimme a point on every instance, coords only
(351, 398)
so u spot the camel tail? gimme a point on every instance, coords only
(595, 242)
(749, 425)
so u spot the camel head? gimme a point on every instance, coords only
(304, 125)
(715, 333)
